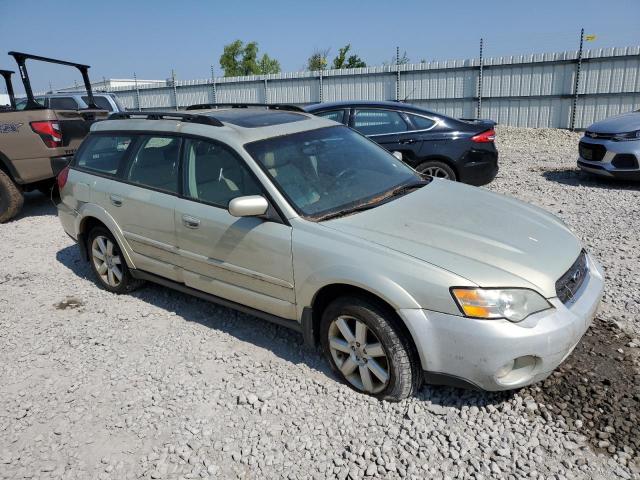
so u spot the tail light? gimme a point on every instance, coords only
(63, 176)
(49, 132)
(485, 137)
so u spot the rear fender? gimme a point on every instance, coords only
(89, 210)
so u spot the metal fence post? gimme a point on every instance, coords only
(266, 91)
(577, 83)
(175, 90)
(321, 87)
(213, 85)
(135, 82)
(397, 74)
(479, 112)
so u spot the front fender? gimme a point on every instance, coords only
(91, 210)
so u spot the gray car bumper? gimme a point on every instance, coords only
(475, 351)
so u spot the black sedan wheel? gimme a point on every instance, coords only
(437, 170)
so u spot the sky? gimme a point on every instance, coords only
(150, 38)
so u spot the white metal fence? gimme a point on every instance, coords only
(534, 90)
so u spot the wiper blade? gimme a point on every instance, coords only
(347, 211)
(406, 188)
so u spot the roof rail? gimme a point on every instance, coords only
(269, 106)
(183, 117)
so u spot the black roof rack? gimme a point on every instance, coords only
(183, 117)
(6, 74)
(269, 106)
(21, 59)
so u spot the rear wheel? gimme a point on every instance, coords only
(108, 263)
(437, 169)
(366, 349)
(11, 198)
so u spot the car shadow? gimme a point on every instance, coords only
(36, 204)
(281, 341)
(575, 177)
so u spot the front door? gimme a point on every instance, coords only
(245, 260)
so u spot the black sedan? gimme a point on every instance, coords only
(434, 144)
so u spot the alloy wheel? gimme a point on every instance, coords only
(436, 172)
(358, 354)
(107, 260)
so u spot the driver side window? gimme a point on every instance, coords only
(215, 175)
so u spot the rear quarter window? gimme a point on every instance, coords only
(103, 153)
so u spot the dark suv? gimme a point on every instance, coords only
(432, 143)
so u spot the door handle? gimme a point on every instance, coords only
(116, 200)
(408, 141)
(190, 222)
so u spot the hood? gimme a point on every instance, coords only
(627, 122)
(489, 239)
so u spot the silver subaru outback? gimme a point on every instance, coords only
(308, 224)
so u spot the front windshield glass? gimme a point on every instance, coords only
(330, 169)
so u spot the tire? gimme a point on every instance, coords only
(11, 198)
(108, 263)
(438, 170)
(392, 352)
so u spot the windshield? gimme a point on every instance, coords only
(330, 169)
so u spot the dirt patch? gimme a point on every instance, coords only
(69, 304)
(597, 391)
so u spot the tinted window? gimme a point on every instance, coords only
(23, 103)
(335, 115)
(101, 102)
(421, 123)
(63, 103)
(215, 175)
(155, 164)
(103, 153)
(377, 122)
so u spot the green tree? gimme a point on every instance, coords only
(341, 60)
(318, 60)
(238, 59)
(268, 65)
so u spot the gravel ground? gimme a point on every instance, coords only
(163, 385)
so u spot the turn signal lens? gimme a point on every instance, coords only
(514, 304)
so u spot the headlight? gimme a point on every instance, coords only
(623, 137)
(514, 304)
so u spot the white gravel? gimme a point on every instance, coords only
(162, 385)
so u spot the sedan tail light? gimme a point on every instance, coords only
(485, 137)
(49, 132)
(62, 178)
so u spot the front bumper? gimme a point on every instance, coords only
(471, 351)
(610, 162)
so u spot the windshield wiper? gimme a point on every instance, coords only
(402, 189)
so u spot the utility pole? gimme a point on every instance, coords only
(577, 83)
(175, 90)
(135, 82)
(213, 85)
(479, 112)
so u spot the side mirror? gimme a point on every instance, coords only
(398, 155)
(249, 206)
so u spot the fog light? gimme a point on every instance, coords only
(505, 370)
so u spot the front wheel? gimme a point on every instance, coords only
(108, 263)
(437, 169)
(367, 349)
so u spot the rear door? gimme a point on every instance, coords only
(143, 198)
(384, 127)
(245, 260)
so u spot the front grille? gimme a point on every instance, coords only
(592, 151)
(600, 136)
(569, 283)
(624, 160)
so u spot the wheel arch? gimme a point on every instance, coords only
(92, 216)
(312, 315)
(8, 168)
(439, 158)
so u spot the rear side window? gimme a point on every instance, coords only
(379, 122)
(421, 123)
(335, 115)
(101, 102)
(103, 153)
(155, 164)
(63, 103)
